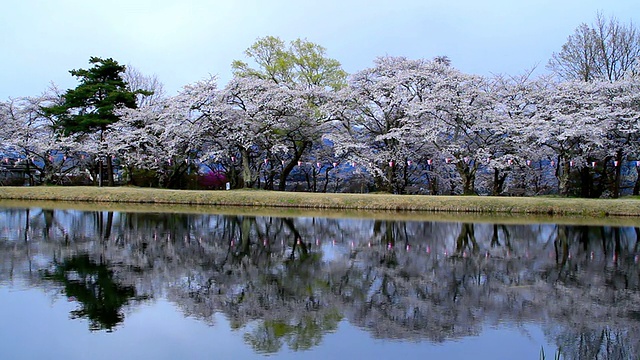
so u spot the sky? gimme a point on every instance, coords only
(181, 42)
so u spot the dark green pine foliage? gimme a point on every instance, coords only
(92, 105)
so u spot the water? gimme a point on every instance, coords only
(102, 285)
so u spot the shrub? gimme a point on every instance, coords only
(213, 180)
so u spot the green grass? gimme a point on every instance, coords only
(480, 205)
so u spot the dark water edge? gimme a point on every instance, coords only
(89, 284)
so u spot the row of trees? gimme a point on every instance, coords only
(295, 121)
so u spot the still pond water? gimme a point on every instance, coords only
(131, 285)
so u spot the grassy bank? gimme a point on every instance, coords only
(379, 202)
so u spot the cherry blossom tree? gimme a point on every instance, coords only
(512, 161)
(622, 101)
(570, 122)
(30, 136)
(280, 98)
(169, 137)
(468, 127)
(375, 119)
(279, 120)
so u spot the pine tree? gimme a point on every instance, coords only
(91, 107)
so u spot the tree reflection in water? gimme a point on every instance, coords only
(290, 281)
(93, 286)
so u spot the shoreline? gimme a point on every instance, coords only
(427, 204)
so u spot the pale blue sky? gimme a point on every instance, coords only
(184, 41)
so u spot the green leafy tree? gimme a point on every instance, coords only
(302, 78)
(92, 106)
(301, 63)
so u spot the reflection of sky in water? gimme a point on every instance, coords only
(493, 304)
(331, 251)
(36, 325)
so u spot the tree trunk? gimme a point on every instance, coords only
(245, 232)
(391, 181)
(308, 179)
(561, 246)
(326, 179)
(289, 167)
(405, 178)
(110, 180)
(298, 242)
(48, 170)
(432, 181)
(286, 170)
(562, 172)
(586, 183)
(269, 176)
(468, 175)
(465, 238)
(233, 177)
(131, 180)
(315, 180)
(246, 169)
(108, 226)
(28, 171)
(495, 238)
(498, 182)
(617, 176)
